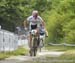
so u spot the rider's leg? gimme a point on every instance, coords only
(30, 40)
(30, 44)
(38, 36)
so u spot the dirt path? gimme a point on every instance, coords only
(21, 59)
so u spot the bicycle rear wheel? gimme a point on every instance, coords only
(41, 45)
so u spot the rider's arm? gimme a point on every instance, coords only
(43, 23)
(26, 24)
(27, 21)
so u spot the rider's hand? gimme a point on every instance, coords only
(25, 28)
(46, 35)
(37, 30)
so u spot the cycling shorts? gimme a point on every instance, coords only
(33, 27)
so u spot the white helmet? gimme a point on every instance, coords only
(34, 12)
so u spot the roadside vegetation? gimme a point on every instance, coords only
(59, 48)
(19, 51)
(67, 57)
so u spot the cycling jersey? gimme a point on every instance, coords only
(33, 23)
(42, 30)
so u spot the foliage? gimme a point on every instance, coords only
(59, 16)
(60, 21)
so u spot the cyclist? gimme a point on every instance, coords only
(33, 22)
(42, 33)
(42, 30)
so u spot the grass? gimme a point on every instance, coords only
(59, 48)
(67, 57)
(3, 56)
(19, 51)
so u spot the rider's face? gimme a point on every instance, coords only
(35, 15)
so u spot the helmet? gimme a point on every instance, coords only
(35, 12)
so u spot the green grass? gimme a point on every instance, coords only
(3, 56)
(67, 57)
(59, 48)
(19, 51)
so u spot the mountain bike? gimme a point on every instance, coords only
(34, 43)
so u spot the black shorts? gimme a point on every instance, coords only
(33, 27)
(42, 33)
